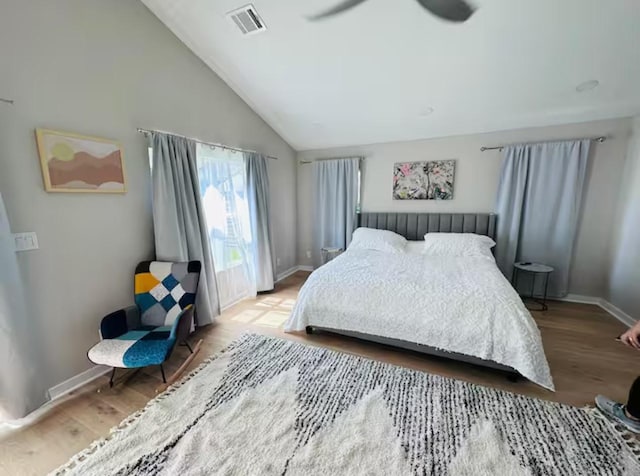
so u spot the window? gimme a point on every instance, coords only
(223, 191)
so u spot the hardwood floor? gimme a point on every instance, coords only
(579, 342)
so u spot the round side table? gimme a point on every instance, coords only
(534, 269)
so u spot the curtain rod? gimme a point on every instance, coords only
(305, 162)
(600, 139)
(210, 144)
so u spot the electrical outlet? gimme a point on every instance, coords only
(25, 241)
(308, 253)
(277, 261)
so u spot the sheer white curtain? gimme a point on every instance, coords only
(223, 189)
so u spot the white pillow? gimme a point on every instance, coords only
(458, 244)
(414, 247)
(378, 240)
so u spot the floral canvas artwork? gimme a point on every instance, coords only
(431, 180)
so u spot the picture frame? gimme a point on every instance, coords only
(75, 163)
(426, 180)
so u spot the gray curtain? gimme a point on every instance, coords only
(258, 201)
(538, 206)
(178, 217)
(22, 370)
(335, 201)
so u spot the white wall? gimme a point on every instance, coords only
(104, 68)
(476, 182)
(624, 283)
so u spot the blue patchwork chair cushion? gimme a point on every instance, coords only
(147, 345)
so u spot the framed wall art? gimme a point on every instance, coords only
(75, 163)
(431, 180)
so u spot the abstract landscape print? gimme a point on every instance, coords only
(424, 180)
(75, 163)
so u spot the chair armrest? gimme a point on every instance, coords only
(133, 317)
(182, 324)
(119, 322)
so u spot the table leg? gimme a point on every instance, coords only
(544, 297)
(532, 296)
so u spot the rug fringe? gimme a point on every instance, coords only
(628, 438)
(82, 455)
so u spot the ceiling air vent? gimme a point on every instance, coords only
(248, 20)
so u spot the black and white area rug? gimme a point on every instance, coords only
(267, 406)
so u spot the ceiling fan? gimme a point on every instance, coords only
(451, 10)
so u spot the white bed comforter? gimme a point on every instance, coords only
(462, 305)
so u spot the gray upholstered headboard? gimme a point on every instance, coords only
(413, 226)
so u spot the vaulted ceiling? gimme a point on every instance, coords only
(388, 70)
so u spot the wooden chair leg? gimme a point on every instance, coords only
(113, 374)
(188, 346)
(176, 375)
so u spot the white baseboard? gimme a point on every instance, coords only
(77, 381)
(579, 298)
(57, 395)
(603, 303)
(616, 312)
(286, 274)
(290, 271)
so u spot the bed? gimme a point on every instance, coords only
(460, 308)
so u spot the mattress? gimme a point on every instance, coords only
(462, 305)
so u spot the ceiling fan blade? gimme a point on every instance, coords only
(344, 6)
(452, 10)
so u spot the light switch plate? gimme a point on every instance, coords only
(26, 241)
